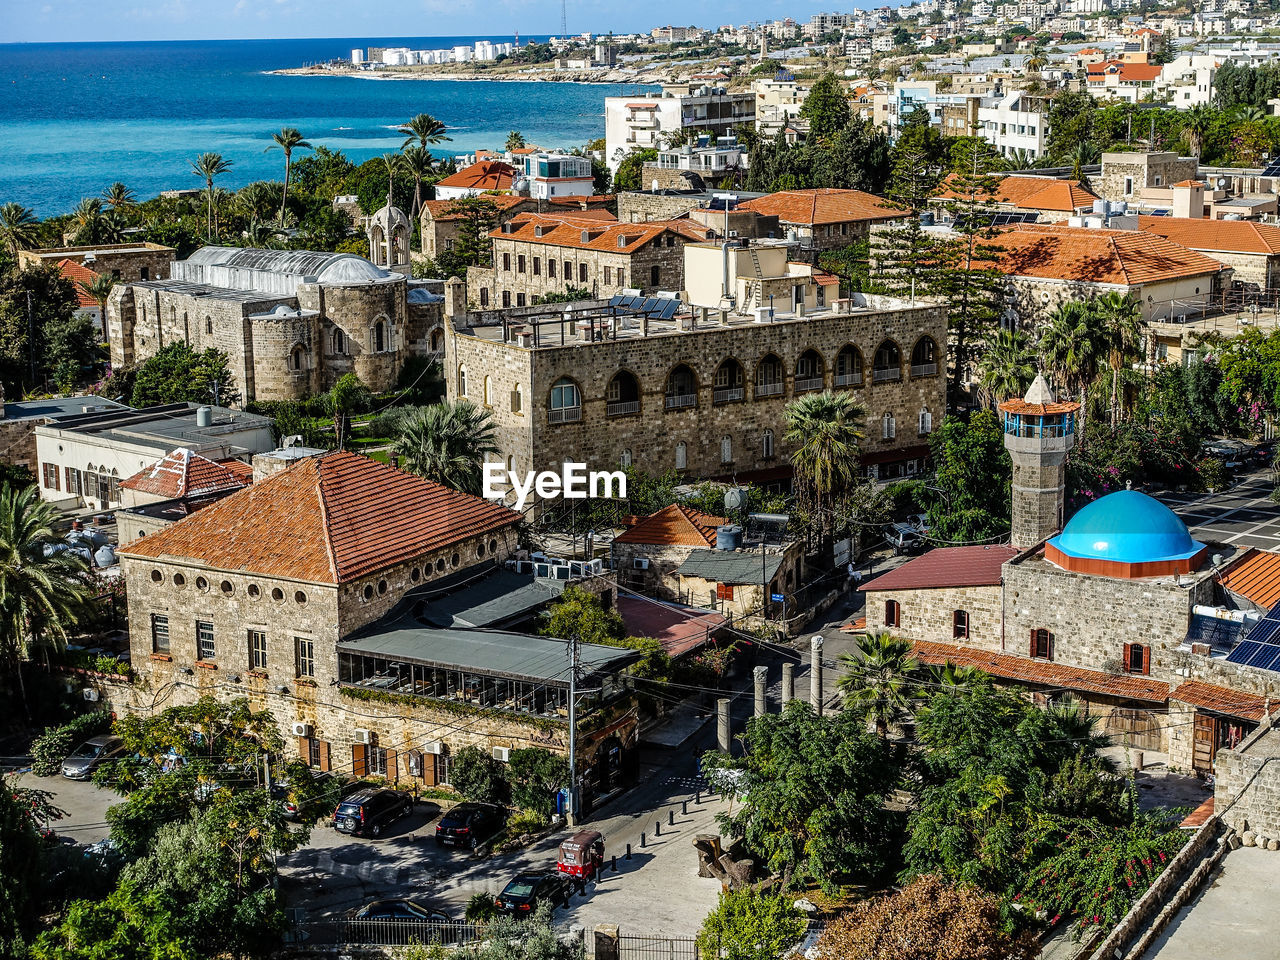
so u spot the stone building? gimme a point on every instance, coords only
(700, 393)
(127, 262)
(538, 254)
(641, 206)
(1049, 199)
(1126, 174)
(291, 322)
(1250, 250)
(825, 219)
(388, 232)
(440, 220)
(317, 593)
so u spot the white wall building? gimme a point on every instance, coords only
(640, 122)
(550, 175)
(1007, 125)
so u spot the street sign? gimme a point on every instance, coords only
(776, 597)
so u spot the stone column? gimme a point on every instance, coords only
(762, 680)
(722, 724)
(788, 682)
(815, 675)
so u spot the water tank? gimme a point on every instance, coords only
(204, 417)
(728, 537)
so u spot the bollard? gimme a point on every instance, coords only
(684, 808)
(697, 797)
(657, 828)
(614, 863)
(671, 818)
(628, 851)
(642, 841)
(722, 724)
(788, 683)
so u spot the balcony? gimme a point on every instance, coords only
(565, 414)
(848, 379)
(923, 369)
(623, 408)
(680, 401)
(809, 384)
(727, 394)
(886, 376)
(769, 389)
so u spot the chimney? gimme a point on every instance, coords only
(1188, 200)
(455, 297)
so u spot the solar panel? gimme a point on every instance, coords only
(1272, 169)
(1215, 631)
(616, 301)
(626, 302)
(649, 306)
(669, 310)
(1243, 651)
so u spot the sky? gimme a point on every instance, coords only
(29, 21)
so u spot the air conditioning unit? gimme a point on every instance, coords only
(501, 753)
(302, 729)
(640, 563)
(364, 736)
(91, 695)
(434, 747)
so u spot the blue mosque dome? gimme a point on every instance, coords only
(1126, 528)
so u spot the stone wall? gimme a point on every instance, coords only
(126, 262)
(930, 615)
(1247, 783)
(18, 443)
(637, 207)
(1143, 169)
(660, 579)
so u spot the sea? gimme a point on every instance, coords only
(76, 117)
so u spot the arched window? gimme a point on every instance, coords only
(297, 359)
(849, 367)
(726, 450)
(892, 614)
(888, 427)
(682, 458)
(625, 459)
(769, 376)
(487, 384)
(622, 396)
(380, 337)
(462, 381)
(517, 399)
(766, 446)
(566, 402)
(437, 341)
(682, 388)
(338, 342)
(655, 275)
(924, 358)
(887, 364)
(511, 464)
(730, 383)
(810, 372)
(208, 325)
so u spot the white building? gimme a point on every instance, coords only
(641, 123)
(1007, 125)
(777, 102)
(707, 158)
(1187, 81)
(550, 175)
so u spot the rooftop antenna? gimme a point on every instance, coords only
(564, 20)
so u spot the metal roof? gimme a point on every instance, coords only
(500, 597)
(973, 566)
(730, 566)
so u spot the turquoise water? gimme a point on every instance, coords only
(77, 117)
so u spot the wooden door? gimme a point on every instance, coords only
(1205, 744)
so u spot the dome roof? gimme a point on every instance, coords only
(1126, 527)
(350, 269)
(390, 217)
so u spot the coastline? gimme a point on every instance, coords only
(598, 77)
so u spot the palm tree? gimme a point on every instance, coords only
(93, 225)
(208, 166)
(347, 395)
(447, 443)
(288, 139)
(418, 162)
(1197, 122)
(876, 680)
(1248, 113)
(19, 228)
(1120, 322)
(120, 198)
(425, 130)
(1072, 724)
(1072, 348)
(100, 289)
(39, 595)
(391, 163)
(950, 678)
(1036, 62)
(515, 141)
(826, 430)
(260, 199)
(1008, 366)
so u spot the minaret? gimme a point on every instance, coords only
(1038, 432)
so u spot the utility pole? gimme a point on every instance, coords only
(31, 338)
(571, 816)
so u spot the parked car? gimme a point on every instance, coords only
(919, 522)
(522, 895)
(369, 812)
(281, 792)
(1263, 452)
(902, 538)
(398, 909)
(468, 824)
(86, 757)
(397, 922)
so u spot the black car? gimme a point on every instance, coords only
(522, 895)
(396, 922)
(467, 824)
(396, 909)
(369, 812)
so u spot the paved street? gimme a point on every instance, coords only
(1241, 517)
(85, 805)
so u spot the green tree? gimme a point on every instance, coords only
(1072, 346)
(630, 172)
(100, 288)
(1199, 120)
(129, 924)
(209, 166)
(579, 615)
(120, 198)
(177, 374)
(826, 430)
(813, 795)
(1008, 365)
(24, 347)
(536, 774)
(425, 130)
(19, 228)
(287, 140)
(477, 218)
(418, 163)
(826, 108)
(1120, 320)
(749, 925)
(21, 861)
(69, 350)
(447, 443)
(93, 225)
(479, 777)
(515, 141)
(972, 479)
(40, 595)
(348, 395)
(876, 681)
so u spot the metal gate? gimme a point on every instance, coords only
(658, 948)
(1139, 728)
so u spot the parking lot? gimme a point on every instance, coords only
(1238, 518)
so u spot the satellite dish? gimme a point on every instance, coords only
(735, 498)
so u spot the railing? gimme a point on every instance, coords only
(809, 383)
(1038, 431)
(884, 376)
(768, 389)
(401, 933)
(623, 408)
(848, 379)
(727, 394)
(659, 948)
(565, 414)
(678, 401)
(923, 369)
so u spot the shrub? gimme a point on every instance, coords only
(479, 908)
(53, 746)
(747, 925)
(526, 821)
(477, 776)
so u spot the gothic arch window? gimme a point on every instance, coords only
(462, 381)
(682, 388)
(766, 446)
(338, 342)
(437, 341)
(924, 358)
(381, 336)
(208, 325)
(622, 396)
(297, 359)
(887, 364)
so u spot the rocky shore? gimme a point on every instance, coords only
(602, 75)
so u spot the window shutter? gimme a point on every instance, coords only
(1146, 661)
(304, 749)
(1033, 642)
(429, 769)
(1051, 646)
(324, 755)
(1128, 656)
(359, 760)
(393, 766)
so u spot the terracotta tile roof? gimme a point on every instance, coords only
(1188, 183)
(482, 175)
(1086, 255)
(1043, 673)
(1254, 575)
(1227, 236)
(1199, 816)
(947, 567)
(826, 205)
(79, 274)
(679, 629)
(675, 526)
(183, 473)
(1233, 703)
(1038, 409)
(1034, 193)
(327, 519)
(568, 230)
(1131, 72)
(444, 209)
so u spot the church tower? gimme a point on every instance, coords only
(389, 234)
(1038, 433)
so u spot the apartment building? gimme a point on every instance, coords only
(641, 123)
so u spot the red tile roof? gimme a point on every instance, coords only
(327, 519)
(445, 209)
(568, 230)
(183, 473)
(675, 526)
(678, 629)
(1043, 673)
(80, 277)
(1233, 703)
(1034, 193)
(1038, 409)
(947, 567)
(483, 175)
(1254, 575)
(1226, 236)
(825, 205)
(1086, 255)
(1199, 816)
